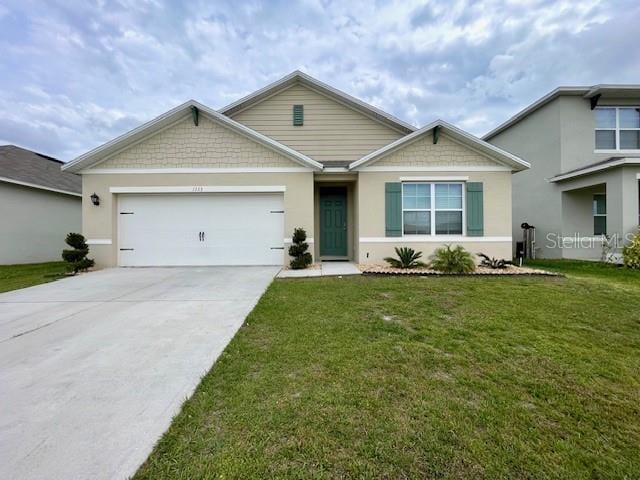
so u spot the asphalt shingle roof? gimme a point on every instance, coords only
(30, 167)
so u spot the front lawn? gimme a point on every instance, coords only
(420, 378)
(595, 271)
(13, 277)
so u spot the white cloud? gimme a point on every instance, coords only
(79, 74)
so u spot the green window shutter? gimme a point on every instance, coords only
(475, 209)
(393, 209)
(298, 115)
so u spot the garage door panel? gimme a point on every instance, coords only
(165, 229)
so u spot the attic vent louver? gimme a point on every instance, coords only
(298, 115)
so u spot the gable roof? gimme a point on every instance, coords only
(31, 169)
(501, 156)
(585, 92)
(298, 77)
(169, 118)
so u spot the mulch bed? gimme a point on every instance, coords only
(510, 270)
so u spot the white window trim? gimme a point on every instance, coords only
(432, 210)
(617, 130)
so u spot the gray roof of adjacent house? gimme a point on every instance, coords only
(591, 93)
(24, 167)
(607, 164)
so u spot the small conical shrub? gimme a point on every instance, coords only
(298, 250)
(77, 258)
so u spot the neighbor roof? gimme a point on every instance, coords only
(502, 156)
(607, 164)
(610, 90)
(32, 169)
(298, 77)
(178, 113)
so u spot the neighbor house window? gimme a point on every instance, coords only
(600, 214)
(617, 128)
(432, 208)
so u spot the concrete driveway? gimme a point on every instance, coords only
(93, 368)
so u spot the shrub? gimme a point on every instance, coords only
(407, 258)
(452, 260)
(77, 258)
(298, 250)
(494, 263)
(631, 253)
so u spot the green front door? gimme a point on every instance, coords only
(333, 222)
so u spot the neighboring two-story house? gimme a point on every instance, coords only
(583, 144)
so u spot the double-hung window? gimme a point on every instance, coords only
(617, 128)
(432, 208)
(448, 208)
(416, 208)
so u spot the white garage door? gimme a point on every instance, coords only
(201, 229)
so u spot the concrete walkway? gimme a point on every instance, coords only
(325, 269)
(93, 368)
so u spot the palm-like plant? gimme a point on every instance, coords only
(407, 258)
(494, 263)
(452, 260)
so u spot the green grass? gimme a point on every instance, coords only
(13, 277)
(421, 378)
(595, 271)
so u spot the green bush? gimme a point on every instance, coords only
(631, 253)
(452, 260)
(298, 250)
(77, 258)
(407, 258)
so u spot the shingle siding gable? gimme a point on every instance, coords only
(209, 145)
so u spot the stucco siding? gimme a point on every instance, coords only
(371, 220)
(35, 223)
(331, 131)
(577, 127)
(424, 152)
(185, 145)
(375, 253)
(536, 139)
(101, 222)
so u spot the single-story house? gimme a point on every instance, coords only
(39, 205)
(196, 186)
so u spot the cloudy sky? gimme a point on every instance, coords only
(74, 74)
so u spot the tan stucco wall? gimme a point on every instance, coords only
(101, 222)
(497, 199)
(423, 152)
(497, 213)
(331, 131)
(374, 253)
(34, 223)
(188, 146)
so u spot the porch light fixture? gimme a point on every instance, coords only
(95, 199)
